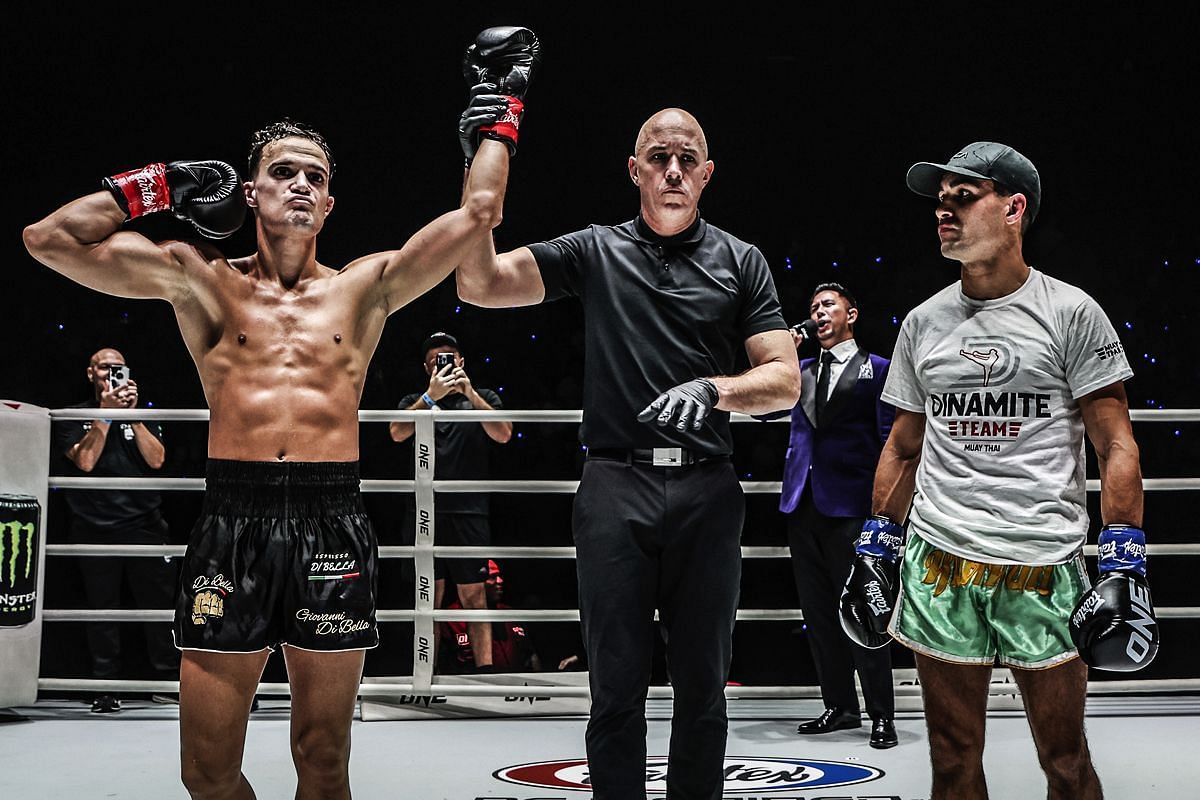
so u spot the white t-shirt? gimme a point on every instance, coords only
(1001, 477)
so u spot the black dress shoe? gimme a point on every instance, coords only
(883, 734)
(105, 704)
(834, 719)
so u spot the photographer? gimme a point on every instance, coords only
(126, 449)
(461, 454)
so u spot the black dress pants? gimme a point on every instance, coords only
(668, 538)
(151, 580)
(822, 555)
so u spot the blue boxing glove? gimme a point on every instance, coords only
(1113, 625)
(869, 597)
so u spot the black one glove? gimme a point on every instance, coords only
(1113, 625)
(869, 597)
(687, 404)
(205, 194)
(501, 61)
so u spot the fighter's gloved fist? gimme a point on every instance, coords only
(206, 194)
(687, 404)
(869, 597)
(1113, 625)
(504, 57)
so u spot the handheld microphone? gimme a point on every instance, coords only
(806, 330)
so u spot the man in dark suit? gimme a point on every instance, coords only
(838, 429)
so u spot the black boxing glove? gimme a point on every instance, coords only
(687, 405)
(1113, 625)
(869, 596)
(205, 194)
(505, 58)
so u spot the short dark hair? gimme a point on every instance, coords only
(282, 130)
(832, 286)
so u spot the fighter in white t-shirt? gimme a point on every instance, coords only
(1001, 475)
(996, 379)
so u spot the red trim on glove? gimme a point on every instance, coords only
(508, 124)
(145, 189)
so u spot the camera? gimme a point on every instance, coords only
(441, 360)
(118, 375)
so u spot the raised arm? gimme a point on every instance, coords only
(434, 251)
(498, 67)
(84, 241)
(499, 281)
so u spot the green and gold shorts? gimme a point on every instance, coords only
(969, 612)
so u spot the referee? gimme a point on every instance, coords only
(668, 299)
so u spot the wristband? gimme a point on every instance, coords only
(427, 400)
(880, 538)
(141, 191)
(1122, 547)
(506, 127)
(106, 421)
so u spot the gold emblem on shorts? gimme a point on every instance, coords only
(207, 603)
(943, 569)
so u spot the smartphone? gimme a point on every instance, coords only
(118, 375)
(441, 360)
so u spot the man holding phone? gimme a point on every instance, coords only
(125, 449)
(461, 454)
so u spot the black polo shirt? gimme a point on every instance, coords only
(119, 459)
(658, 311)
(461, 453)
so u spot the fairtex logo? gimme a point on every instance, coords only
(741, 774)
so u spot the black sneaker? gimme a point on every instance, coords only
(105, 704)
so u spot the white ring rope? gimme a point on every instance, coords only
(476, 615)
(455, 551)
(389, 415)
(424, 615)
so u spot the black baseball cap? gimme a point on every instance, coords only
(984, 161)
(438, 339)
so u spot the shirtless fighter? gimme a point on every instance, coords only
(283, 553)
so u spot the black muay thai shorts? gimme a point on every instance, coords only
(283, 553)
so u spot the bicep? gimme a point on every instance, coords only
(83, 242)
(768, 346)
(517, 281)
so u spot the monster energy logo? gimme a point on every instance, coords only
(10, 550)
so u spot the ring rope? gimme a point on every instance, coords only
(503, 487)
(471, 551)
(478, 615)
(508, 415)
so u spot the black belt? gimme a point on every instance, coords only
(657, 456)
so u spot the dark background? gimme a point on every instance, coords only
(812, 118)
